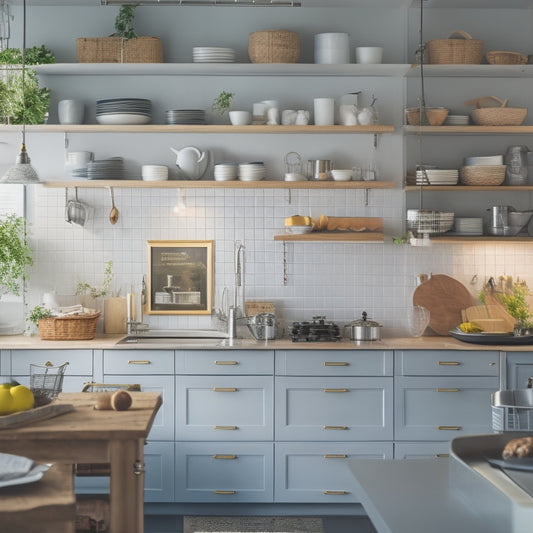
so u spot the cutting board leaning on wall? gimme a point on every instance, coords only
(445, 298)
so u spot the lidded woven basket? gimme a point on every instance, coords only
(274, 46)
(464, 50)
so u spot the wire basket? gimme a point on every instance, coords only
(427, 221)
(512, 410)
(46, 381)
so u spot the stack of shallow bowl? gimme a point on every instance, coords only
(226, 171)
(252, 171)
(213, 54)
(154, 172)
(483, 170)
(123, 111)
(185, 116)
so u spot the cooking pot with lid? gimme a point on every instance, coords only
(263, 326)
(364, 329)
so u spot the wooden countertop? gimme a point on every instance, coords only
(108, 342)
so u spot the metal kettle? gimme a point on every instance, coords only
(516, 172)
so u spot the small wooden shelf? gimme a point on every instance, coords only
(331, 236)
(206, 184)
(194, 128)
(468, 130)
(473, 71)
(467, 188)
(482, 239)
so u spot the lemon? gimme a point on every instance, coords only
(6, 401)
(22, 398)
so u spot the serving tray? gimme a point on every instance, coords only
(37, 414)
(491, 338)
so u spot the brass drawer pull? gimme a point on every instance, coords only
(335, 456)
(226, 363)
(449, 428)
(448, 363)
(225, 427)
(439, 455)
(448, 390)
(218, 456)
(133, 362)
(335, 363)
(335, 427)
(335, 492)
(225, 389)
(224, 492)
(335, 390)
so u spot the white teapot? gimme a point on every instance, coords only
(192, 162)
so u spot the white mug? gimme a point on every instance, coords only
(70, 111)
(368, 54)
(324, 111)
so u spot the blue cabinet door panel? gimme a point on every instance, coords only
(225, 362)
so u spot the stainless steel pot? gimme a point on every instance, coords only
(263, 326)
(364, 329)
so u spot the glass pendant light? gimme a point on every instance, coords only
(22, 171)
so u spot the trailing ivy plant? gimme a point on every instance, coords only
(222, 102)
(96, 292)
(15, 253)
(36, 55)
(124, 22)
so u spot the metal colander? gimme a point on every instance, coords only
(46, 381)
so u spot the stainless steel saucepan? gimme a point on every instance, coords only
(364, 329)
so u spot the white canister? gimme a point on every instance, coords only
(368, 54)
(324, 111)
(70, 111)
(332, 48)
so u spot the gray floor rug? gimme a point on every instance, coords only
(255, 524)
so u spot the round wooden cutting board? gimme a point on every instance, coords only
(444, 297)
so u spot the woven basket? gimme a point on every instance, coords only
(482, 174)
(451, 51)
(499, 116)
(435, 115)
(274, 46)
(498, 57)
(69, 328)
(119, 50)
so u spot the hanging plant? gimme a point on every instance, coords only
(124, 22)
(15, 254)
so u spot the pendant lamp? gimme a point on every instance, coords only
(22, 171)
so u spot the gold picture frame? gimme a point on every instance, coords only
(180, 278)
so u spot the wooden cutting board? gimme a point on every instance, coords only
(37, 414)
(490, 312)
(445, 298)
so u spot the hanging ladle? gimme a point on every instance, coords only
(113, 214)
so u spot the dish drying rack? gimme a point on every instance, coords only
(512, 410)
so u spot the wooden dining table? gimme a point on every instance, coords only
(88, 435)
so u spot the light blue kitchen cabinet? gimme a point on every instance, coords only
(421, 450)
(224, 408)
(224, 472)
(442, 408)
(139, 362)
(78, 372)
(519, 369)
(222, 362)
(334, 408)
(334, 362)
(317, 472)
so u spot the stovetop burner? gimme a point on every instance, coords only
(319, 330)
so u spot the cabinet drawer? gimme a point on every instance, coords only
(334, 409)
(318, 473)
(446, 363)
(225, 362)
(224, 472)
(138, 362)
(228, 408)
(442, 408)
(334, 362)
(519, 369)
(421, 450)
(80, 362)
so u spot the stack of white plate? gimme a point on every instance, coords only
(213, 54)
(123, 111)
(154, 172)
(457, 120)
(252, 171)
(468, 226)
(442, 177)
(185, 116)
(226, 172)
(106, 169)
(493, 160)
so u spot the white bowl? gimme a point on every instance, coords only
(299, 230)
(240, 118)
(341, 174)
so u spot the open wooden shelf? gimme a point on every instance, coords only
(331, 236)
(206, 184)
(482, 239)
(467, 130)
(472, 188)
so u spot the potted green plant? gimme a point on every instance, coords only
(28, 104)
(15, 254)
(222, 102)
(123, 46)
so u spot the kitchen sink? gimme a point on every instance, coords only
(180, 338)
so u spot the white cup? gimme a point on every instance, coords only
(240, 118)
(368, 54)
(79, 159)
(324, 111)
(332, 48)
(70, 111)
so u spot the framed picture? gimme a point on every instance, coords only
(180, 278)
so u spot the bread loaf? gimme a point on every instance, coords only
(520, 447)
